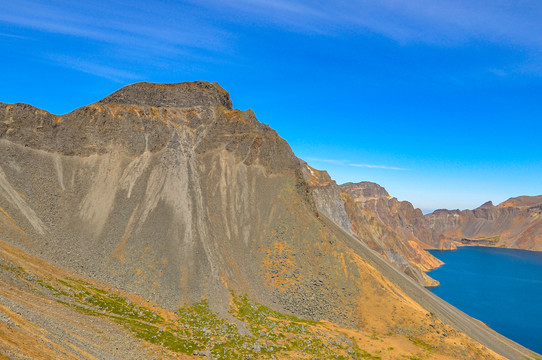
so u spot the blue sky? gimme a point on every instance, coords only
(438, 101)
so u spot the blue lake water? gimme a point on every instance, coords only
(501, 287)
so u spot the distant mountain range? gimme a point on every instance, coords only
(401, 233)
(515, 223)
(161, 223)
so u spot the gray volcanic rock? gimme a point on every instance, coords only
(198, 93)
(166, 192)
(488, 204)
(347, 210)
(326, 194)
(364, 191)
(406, 220)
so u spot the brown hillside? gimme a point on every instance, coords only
(401, 232)
(353, 216)
(166, 195)
(515, 223)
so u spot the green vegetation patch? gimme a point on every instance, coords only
(195, 329)
(422, 344)
(493, 239)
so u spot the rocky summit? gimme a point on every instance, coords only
(515, 223)
(161, 223)
(391, 228)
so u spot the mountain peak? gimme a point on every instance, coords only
(179, 95)
(522, 201)
(488, 204)
(365, 190)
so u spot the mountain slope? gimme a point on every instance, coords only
(48, 313)
(515, 223)
(392, 228)
(169, 198)
(401, 216)
(353, 216)
(165, 193)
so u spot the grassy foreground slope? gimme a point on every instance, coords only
(47, 313)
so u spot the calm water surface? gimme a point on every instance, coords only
(501, 287)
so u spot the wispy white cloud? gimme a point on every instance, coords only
(115, 40)
(97, 69)
(349, 163)
(511, 25)
(200, 29)
(331, 161)
(13, 36)
(443, 22)
(150, 29)
(377, 166)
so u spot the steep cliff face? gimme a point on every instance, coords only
(346, 212)
(515, 223)
(167, 192)
(164, 192)
(401, 216)
(327, 195)
(389, 227)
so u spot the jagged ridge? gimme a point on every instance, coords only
(181, 198)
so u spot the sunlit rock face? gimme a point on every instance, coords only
(515, 223)
(168, 192)
(327, 195)
(390, 227)
(162, 195)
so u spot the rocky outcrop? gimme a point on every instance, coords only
(522, 202)
(515, 223)
(389, 227)
(167, 192)
(341, 208)
(170, 196)
(327, 195)
(365, 191)
(401, 216)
